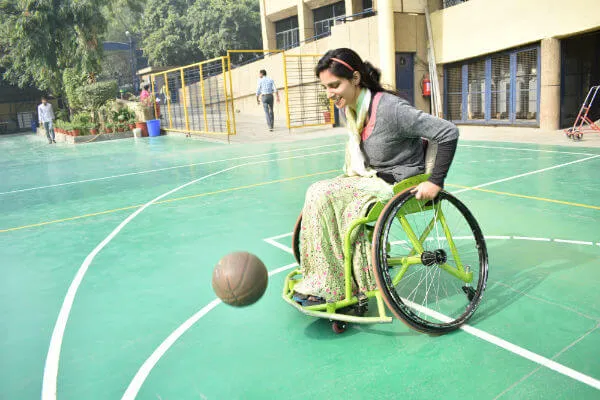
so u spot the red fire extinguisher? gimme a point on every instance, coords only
(426, 86)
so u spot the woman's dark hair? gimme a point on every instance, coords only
(146, 86)
(369, 75)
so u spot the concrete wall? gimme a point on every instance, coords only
(360, 35)
(480, 27)
(411, 37)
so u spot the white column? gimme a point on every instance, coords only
(387, 45)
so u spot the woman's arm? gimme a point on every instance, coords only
(416, 123)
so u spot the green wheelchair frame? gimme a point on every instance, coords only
(353, 306)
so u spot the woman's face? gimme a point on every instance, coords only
(342, 91)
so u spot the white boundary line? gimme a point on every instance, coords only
(513, 348)
(525, 149)
(526, 174)
(141, 375)
(50, 380)
(164, 169)
(258, 155)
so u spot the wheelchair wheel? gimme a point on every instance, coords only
(430, 261)
(296, 239)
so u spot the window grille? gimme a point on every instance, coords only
(500, 87)
(287, 34)
(526, 85)
(450, 3)
(325, 17)
(476, 90)
(454, 92)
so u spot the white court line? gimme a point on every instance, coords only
(141, 375)
(573, 242)
(513, 348)
(526, 174)
(164, 169)
(519, 149)
(280, 236)
(50, 380)
(245, 157)
(272, 242)
(537, 239)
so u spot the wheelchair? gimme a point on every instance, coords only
(429, 260)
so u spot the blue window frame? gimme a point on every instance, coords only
(502, 88)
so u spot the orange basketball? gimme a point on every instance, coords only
(240, 279)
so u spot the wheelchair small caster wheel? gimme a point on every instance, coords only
(339, 326)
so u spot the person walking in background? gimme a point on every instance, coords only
(45, 118)
(265, 90)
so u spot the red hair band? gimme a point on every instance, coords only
(343, 63)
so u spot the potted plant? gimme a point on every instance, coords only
(109, 127)
(325, 103)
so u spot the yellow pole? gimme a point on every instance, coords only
(203, 99)
(225, 91)
(183, 91)
(231, 93)
(168, 94)
(287, 97)
(153, 98)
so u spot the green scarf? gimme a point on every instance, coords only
(355, 159)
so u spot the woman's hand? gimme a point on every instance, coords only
(426, 191)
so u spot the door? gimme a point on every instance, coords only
(405, 76)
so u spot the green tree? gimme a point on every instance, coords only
(40, 39)
(165, 33)
(221, 25)
(180, 32)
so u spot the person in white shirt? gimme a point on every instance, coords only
(265, 90)
(45, 117)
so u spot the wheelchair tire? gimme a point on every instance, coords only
(426, 297)
(296, 239)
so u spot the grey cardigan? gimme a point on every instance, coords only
(394, 145)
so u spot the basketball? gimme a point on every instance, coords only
(240, 279)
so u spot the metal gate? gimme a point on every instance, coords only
(197, 98)
(306, 101)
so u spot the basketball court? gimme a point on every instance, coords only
(108, 249)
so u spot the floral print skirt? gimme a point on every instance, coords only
(330, 206)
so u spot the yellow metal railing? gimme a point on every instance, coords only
(306, 102)
(198, 97)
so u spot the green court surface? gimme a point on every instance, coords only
(107, 250)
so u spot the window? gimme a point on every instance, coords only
(526, 82)
(287, 33)
(476, 90)
(367, 5)
(450, 3)
(454, 92)
(501, 88)
(324, 17)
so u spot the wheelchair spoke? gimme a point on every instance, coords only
(424, 248)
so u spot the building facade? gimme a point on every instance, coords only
(511, 62)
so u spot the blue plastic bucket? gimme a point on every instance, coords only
(153, 127)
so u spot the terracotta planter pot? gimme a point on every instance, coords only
(131, 126)
(75, 132)
(93, 131)
(143, 127)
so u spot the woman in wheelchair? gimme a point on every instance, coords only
(385, 146)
